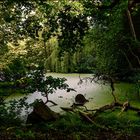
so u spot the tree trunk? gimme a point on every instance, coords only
(41, 113)
(131, 24)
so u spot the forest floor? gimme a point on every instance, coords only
(113, 125)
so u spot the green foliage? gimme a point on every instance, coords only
(126, 123)
(27, 135)
(37, 81)
(70, 123)
(109, 39)
(135, 78)
(11, 112)
(65, 36)
(73, 28)
(69, 21)
(14, 70)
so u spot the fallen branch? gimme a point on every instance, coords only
(52, 102)
(67, 109)
(124, 107)
(117, 104)
(87, 118)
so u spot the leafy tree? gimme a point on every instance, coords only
(36, 22)
(36, 80)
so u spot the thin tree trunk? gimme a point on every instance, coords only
(112, 89)
(46, 97)
(131, 24)
(133, 34)
(45, 49)
(130, 65)
(47, 100)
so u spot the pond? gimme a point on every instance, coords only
(97, 94)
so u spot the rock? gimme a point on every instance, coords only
(41, 113)
(80, 99)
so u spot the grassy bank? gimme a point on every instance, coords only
(71, 126)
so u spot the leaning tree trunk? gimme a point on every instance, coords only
(131, 24)
(113, 89)
(133, 32)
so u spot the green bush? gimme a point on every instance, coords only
(10, 112)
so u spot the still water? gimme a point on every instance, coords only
(97, 94)
(92, 91)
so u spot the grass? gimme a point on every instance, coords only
(72, 126)
(127, 122)
(127, 91)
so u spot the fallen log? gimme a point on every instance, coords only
(67, 109)
(117, 104)
(87, 118)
